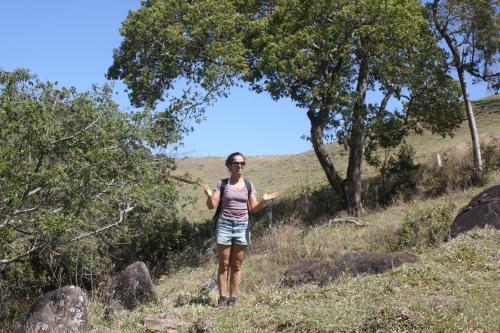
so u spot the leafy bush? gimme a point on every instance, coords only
(72, 167)
(427, 226)
(401, 174)
(458, 170)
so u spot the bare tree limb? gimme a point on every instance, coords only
(348, 219)
(97, 231)
(77, 133)
(34, 248)
(15, 213)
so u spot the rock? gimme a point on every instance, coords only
(162, 323)
(321, 272)
(307, 271)
(133, 286)
(59, 311)
(208, 286)
(483, 210)
(371, 262)
(202, 326)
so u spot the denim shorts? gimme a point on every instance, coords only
(233, 232)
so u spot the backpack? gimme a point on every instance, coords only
(223, 185)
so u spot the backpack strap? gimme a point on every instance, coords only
(248, 184)
(223, 185)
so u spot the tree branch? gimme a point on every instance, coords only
(97, 231)
(36, 247)
(77, 133)
(22, 255)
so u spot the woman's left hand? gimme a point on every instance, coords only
(270, 196)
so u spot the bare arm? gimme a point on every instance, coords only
(212, 197)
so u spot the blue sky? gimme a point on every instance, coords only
(72, 42)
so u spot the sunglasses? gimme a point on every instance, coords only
(238, 163)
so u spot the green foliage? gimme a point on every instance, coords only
(458, 171)
(427, 226)
(313, 52)
(491, 157)
(470, 28)
(71, 167)
(400, 175)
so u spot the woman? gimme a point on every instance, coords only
(233, 230)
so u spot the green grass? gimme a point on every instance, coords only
(291, 174)
(452, 288)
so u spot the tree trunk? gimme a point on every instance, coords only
(457, 61)
(318, 123)
(472, 123)
(353, 188)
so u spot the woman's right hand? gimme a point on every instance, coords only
(207, 190)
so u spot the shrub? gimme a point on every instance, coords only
(401, 174)
(458, 170)
(80, 192)
(427, 226)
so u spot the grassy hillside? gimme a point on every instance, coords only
(453, 287)
(289, 174)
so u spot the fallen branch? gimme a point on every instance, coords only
(184, 180)
(348, 219)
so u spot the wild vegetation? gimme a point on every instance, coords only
(82, 195)
(449, 289)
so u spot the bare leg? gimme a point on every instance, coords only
(224, 253)
(237, 256)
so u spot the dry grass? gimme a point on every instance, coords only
(291, 174)
(450, 289)
(453, 287)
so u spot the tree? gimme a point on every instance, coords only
(324, 55)
(76, 177)
(470, 30)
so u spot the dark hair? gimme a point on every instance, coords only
(229, 159)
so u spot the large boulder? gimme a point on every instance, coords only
(59, 311)
(483, 210)
(320, 272)
(133, 286)
(311, 271)
(363, 262)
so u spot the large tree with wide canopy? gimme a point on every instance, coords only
(324, 55)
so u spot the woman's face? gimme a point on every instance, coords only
(237, 165)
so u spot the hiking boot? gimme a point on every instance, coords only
(231, 302)
(222, 302)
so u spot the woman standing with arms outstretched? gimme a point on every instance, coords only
(233, 230)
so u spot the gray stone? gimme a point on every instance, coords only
(483, 210)
(320, 272)
(59, 311)
(133, 286)
(311, 271)
(363, 262)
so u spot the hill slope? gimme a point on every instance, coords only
(452, 288)
(290, 173)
